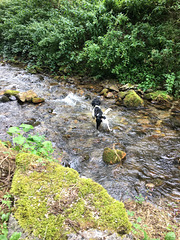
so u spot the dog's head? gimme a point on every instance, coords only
(95, 102)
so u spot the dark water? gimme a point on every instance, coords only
(152, 147)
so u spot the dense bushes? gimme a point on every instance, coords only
(134, 40)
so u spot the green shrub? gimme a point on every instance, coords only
(134, 41)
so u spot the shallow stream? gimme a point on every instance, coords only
(152, 148)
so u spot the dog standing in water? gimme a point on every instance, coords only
(99, 115)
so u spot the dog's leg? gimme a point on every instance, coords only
(109, 127)
(107, 110)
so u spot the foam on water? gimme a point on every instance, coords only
(71, 99)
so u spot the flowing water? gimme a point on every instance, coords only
(152, 147)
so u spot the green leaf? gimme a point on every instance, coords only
(7, 203)
(15, 236)
(7, 196)
(48, 146)
(35, 138)
(2, 237)
(19, 140)
(26, 127)
(130, 213)
(5, 217)
(13, 130)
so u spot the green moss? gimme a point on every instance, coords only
(158, 96)
(104, 92)
(133, 100)
(112, 156)
(11, 92)
(53, 201)
(37, 100)
(122, 94)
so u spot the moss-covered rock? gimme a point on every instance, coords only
(37, 100)
(4, 99)
(122, 94)
(104, 92)
(112, 156)
(53, 201)
(159, 96)
(132, 99)
(11, 93)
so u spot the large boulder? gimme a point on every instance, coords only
(131, 99)
(53, 201)
(112, 156)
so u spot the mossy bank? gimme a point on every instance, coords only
(53, 201)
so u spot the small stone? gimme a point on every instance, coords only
(12, 98)
(104, 92)
(112, 156)
(27, 96)
(114, 88)
(150, 185)
(4, 99)
(37, 100)
(110, 95)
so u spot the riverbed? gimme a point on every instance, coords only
(150, 170)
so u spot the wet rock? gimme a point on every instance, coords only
(128, 86)
(104, 92)
(37, 100)
(132, 99)
(112, 156)
(114, 88)
(175, 120)
(26, 96)
(160, 98)
(119, 102)
(29, 96)
(87, 97)
(12, 98)
(175, 107)
(110, 95)
(86, 157)
(4, 99)
(150, 186)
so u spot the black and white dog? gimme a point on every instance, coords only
(99, 115)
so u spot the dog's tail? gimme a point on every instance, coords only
(95, 102)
